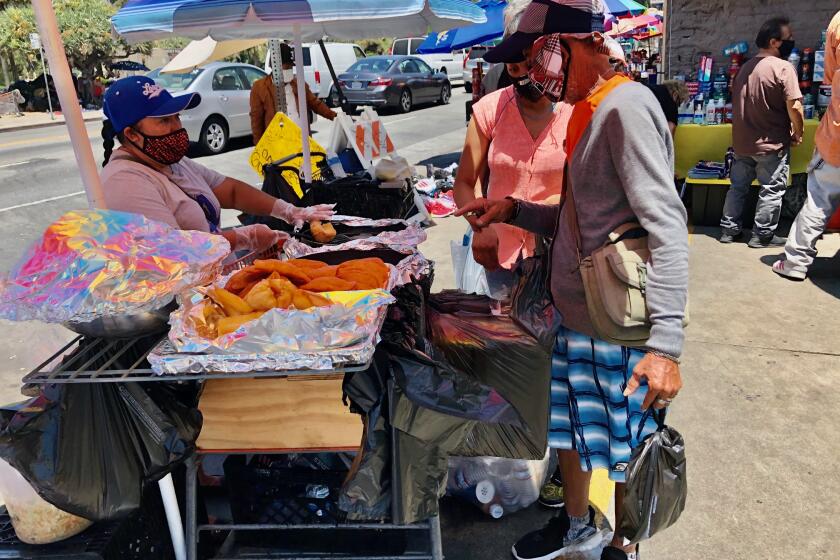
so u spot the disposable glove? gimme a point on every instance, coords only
(296, 215)
(257, 237)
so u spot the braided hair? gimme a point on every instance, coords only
(108, 135)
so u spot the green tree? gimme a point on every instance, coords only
(85, 27)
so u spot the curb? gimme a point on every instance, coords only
(15, 128)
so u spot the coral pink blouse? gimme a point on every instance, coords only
(520, 166)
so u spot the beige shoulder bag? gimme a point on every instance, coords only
(614, 279)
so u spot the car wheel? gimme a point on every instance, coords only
(405, 102)
(445, 93)
(468, 87)
(214, 135)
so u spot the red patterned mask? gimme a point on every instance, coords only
(166, 149)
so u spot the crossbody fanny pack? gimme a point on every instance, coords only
(615, 282)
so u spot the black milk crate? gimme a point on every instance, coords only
(278, 495)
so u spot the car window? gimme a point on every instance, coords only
(400, 47)
(249, 76)
(477, 52)
(174, 82)
(409, 67)
(307, 57)
(358, 51)
(415, 45)
(375, 65)
(227, 79)
(422, 66)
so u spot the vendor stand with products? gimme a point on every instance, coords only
(704, 133)
(288, 344)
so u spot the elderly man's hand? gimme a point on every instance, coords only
(485, 248)
(663, 377)
(482, 212)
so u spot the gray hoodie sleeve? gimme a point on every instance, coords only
(643, 152)
(537, 218)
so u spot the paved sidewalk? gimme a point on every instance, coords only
(24, 121)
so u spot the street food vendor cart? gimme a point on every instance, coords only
(138, 21)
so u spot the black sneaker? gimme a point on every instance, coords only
(613, 553)
(551, 494)
(730, 237)
(548, 543)
(757, 242)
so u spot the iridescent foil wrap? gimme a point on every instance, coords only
(98, 263)
(405, 241)
(165, 360)
(282, 337)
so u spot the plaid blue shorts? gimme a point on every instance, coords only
(589, 412)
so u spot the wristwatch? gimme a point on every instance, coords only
(516, 208)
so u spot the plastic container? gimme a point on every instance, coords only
(35, 520)
(495, 485)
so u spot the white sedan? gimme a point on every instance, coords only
(223, 113)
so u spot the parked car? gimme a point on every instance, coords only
(394, 81)
(450, 64)
(225, 89)
(474, 56)
(316, 71)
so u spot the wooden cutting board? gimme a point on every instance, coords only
(278, 414)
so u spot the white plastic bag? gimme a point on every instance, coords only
(35, 520)
(470, 277)
(393, 168)
(497, 486)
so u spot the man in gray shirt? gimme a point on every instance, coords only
(620, 169)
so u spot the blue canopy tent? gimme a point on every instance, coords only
(465, 37)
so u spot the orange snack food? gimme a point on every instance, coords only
(287, 269)
(327, 284)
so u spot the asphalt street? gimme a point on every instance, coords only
(39, 179)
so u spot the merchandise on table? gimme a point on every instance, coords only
(91, 264)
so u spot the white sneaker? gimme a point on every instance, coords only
(783, 268)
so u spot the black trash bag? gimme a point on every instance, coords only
(498, 353)
(531, 305)
(656, 489)
(366, 493)
(88, 449)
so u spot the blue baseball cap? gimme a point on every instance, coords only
(132, 99)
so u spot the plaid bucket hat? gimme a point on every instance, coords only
(546, 17)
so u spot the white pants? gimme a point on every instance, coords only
(823, 201)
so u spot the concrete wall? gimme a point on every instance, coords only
(699, 26)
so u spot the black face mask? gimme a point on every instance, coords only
(786, 48)
(526, 88)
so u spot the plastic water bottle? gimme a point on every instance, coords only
(496, 511)
(699, 114)
(794, 59)
(720, 110)
(710, 111)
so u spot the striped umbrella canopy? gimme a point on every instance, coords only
(630, 26)
(145, 20)
(470, 35)
(623, 8)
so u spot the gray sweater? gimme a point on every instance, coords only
(621, 171)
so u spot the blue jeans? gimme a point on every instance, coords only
(772, 171)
